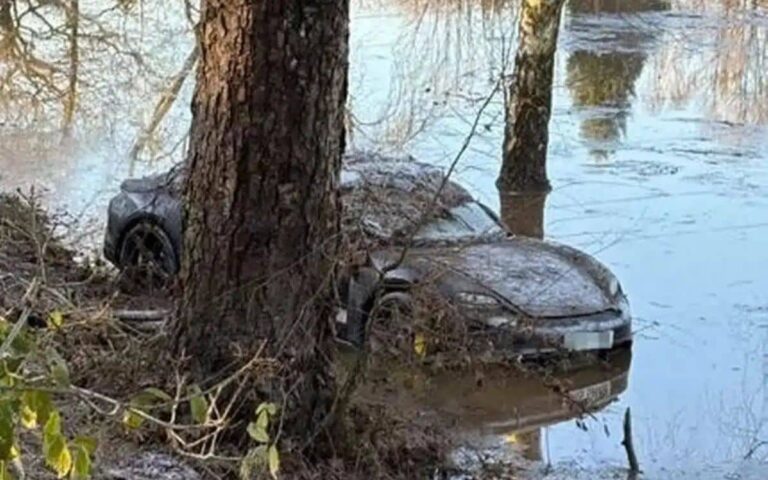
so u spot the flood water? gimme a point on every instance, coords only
(658, 158)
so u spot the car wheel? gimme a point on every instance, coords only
(147, 256)
(390, 324)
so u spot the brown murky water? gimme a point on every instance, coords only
(658, 159)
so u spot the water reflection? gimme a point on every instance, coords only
(729, 76)
(78, 83)
(616, 6)
(602, 82)
(511, 407)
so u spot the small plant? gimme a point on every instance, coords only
(265, 453)
(29, 375)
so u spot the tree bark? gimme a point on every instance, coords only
(528, 99)
(523, 213)
(6, 18)
(261, 202)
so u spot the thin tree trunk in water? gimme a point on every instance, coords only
(6, 19)
(261, 202)
(523, 213)
(528, 99)
(70, 103)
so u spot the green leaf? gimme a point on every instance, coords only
(262, 420)
(58, 457)
(58, 366)
(27, 417)
(6, 431)
(22, 345)
(131, 419)
(36, 406)
(53, 425)
(258, 433)
(51, 432)
(198, 405)
(420, 345)
(60, 374)
(159, 394)
(148, 398)
(268, 407)
(274, 460)
(55, 319)
(89, 444)
(253, 461)
(141, 402)
(4, 474)
(81, 468)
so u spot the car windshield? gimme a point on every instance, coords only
(385, 200)
(469, 222)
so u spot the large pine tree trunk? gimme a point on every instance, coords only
(528, 99)
(261, 203)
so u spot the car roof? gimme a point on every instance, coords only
(383, 196)
(388, 197)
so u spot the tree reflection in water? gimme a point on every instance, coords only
(85, 67)
(729, 75)
(601, 77)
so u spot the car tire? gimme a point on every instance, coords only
(147, 255)
(389, 323)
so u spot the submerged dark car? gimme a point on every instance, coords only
(529, 296)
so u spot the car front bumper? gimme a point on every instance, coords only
(596, 332)
(602, 331)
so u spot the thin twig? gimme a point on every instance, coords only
(22, 321)
(166, 101)
(634, 466)
(427, 212)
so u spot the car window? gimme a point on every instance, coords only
(466, 222)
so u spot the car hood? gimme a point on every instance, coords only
(539, 278)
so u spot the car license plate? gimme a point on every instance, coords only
(592, 395)
(579, 341)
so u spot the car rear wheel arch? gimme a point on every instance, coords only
(389, 291)
(152, 228)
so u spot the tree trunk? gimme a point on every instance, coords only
(528, 99)
(6, 18)
(523, 213)
(70, 101)
(261, 202)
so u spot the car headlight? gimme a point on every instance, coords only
(476, 299)
(614, 288)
